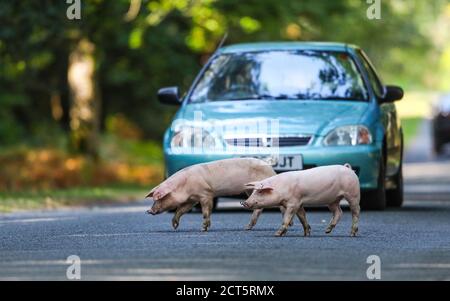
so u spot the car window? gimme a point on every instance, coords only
(375, 82)
(301, 75)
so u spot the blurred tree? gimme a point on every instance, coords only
(85, 107)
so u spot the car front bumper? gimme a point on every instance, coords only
(364, 159)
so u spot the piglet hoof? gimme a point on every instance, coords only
(205, 227)
(281, 232)
(249, 227)
(291, 223)
(329, 229)
(175, 224)
(354, 231)
(308, 231)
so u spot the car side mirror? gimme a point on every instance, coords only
(393, 93)
(169, 95)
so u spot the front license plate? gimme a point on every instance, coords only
(284, 162)
(289, 162)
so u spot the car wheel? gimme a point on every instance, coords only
(376, 199)
(437, 145)
(395, 196)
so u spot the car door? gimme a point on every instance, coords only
(390, 119)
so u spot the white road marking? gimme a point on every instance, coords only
(36, 220)
(427, 188)
(422, 265)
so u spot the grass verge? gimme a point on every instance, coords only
(71, 197)
(410, 126)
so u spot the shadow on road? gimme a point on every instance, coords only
(419, 208)
(321, 236)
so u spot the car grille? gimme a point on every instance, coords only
(269, 142)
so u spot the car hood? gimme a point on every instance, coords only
(294, 117)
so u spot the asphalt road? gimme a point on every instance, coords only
(123, 243)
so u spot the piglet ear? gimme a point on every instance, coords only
(263, 187)
(160, 193)
(150, 194)
(251, 185)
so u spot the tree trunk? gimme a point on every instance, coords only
(85, 99)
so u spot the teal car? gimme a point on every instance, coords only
(297, 105)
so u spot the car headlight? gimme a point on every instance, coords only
(193, 138)
(348, 135)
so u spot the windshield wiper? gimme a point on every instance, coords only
(335, 98)
(287, 97)
(278, 97)
(244, 98)
(254, 97)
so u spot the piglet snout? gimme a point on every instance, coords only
(150, 211)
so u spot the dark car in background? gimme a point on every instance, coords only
(441, 124)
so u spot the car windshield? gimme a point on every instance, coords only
(300, 75)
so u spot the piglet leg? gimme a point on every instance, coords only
(301, 214)
(287, 219)
(282, 209)
(180, 211)
(207, 205)
(355, 218)
(337, 213)
(255, 215)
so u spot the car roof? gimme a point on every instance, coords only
(269, 46)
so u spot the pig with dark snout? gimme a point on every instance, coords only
(201, 183)
(326, 185)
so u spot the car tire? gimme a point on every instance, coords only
(437, 145)
(395, 196)
(376, 199)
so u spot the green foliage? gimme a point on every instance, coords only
(157, 43)
(167, 41)
(47, 199)
(410, 128)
